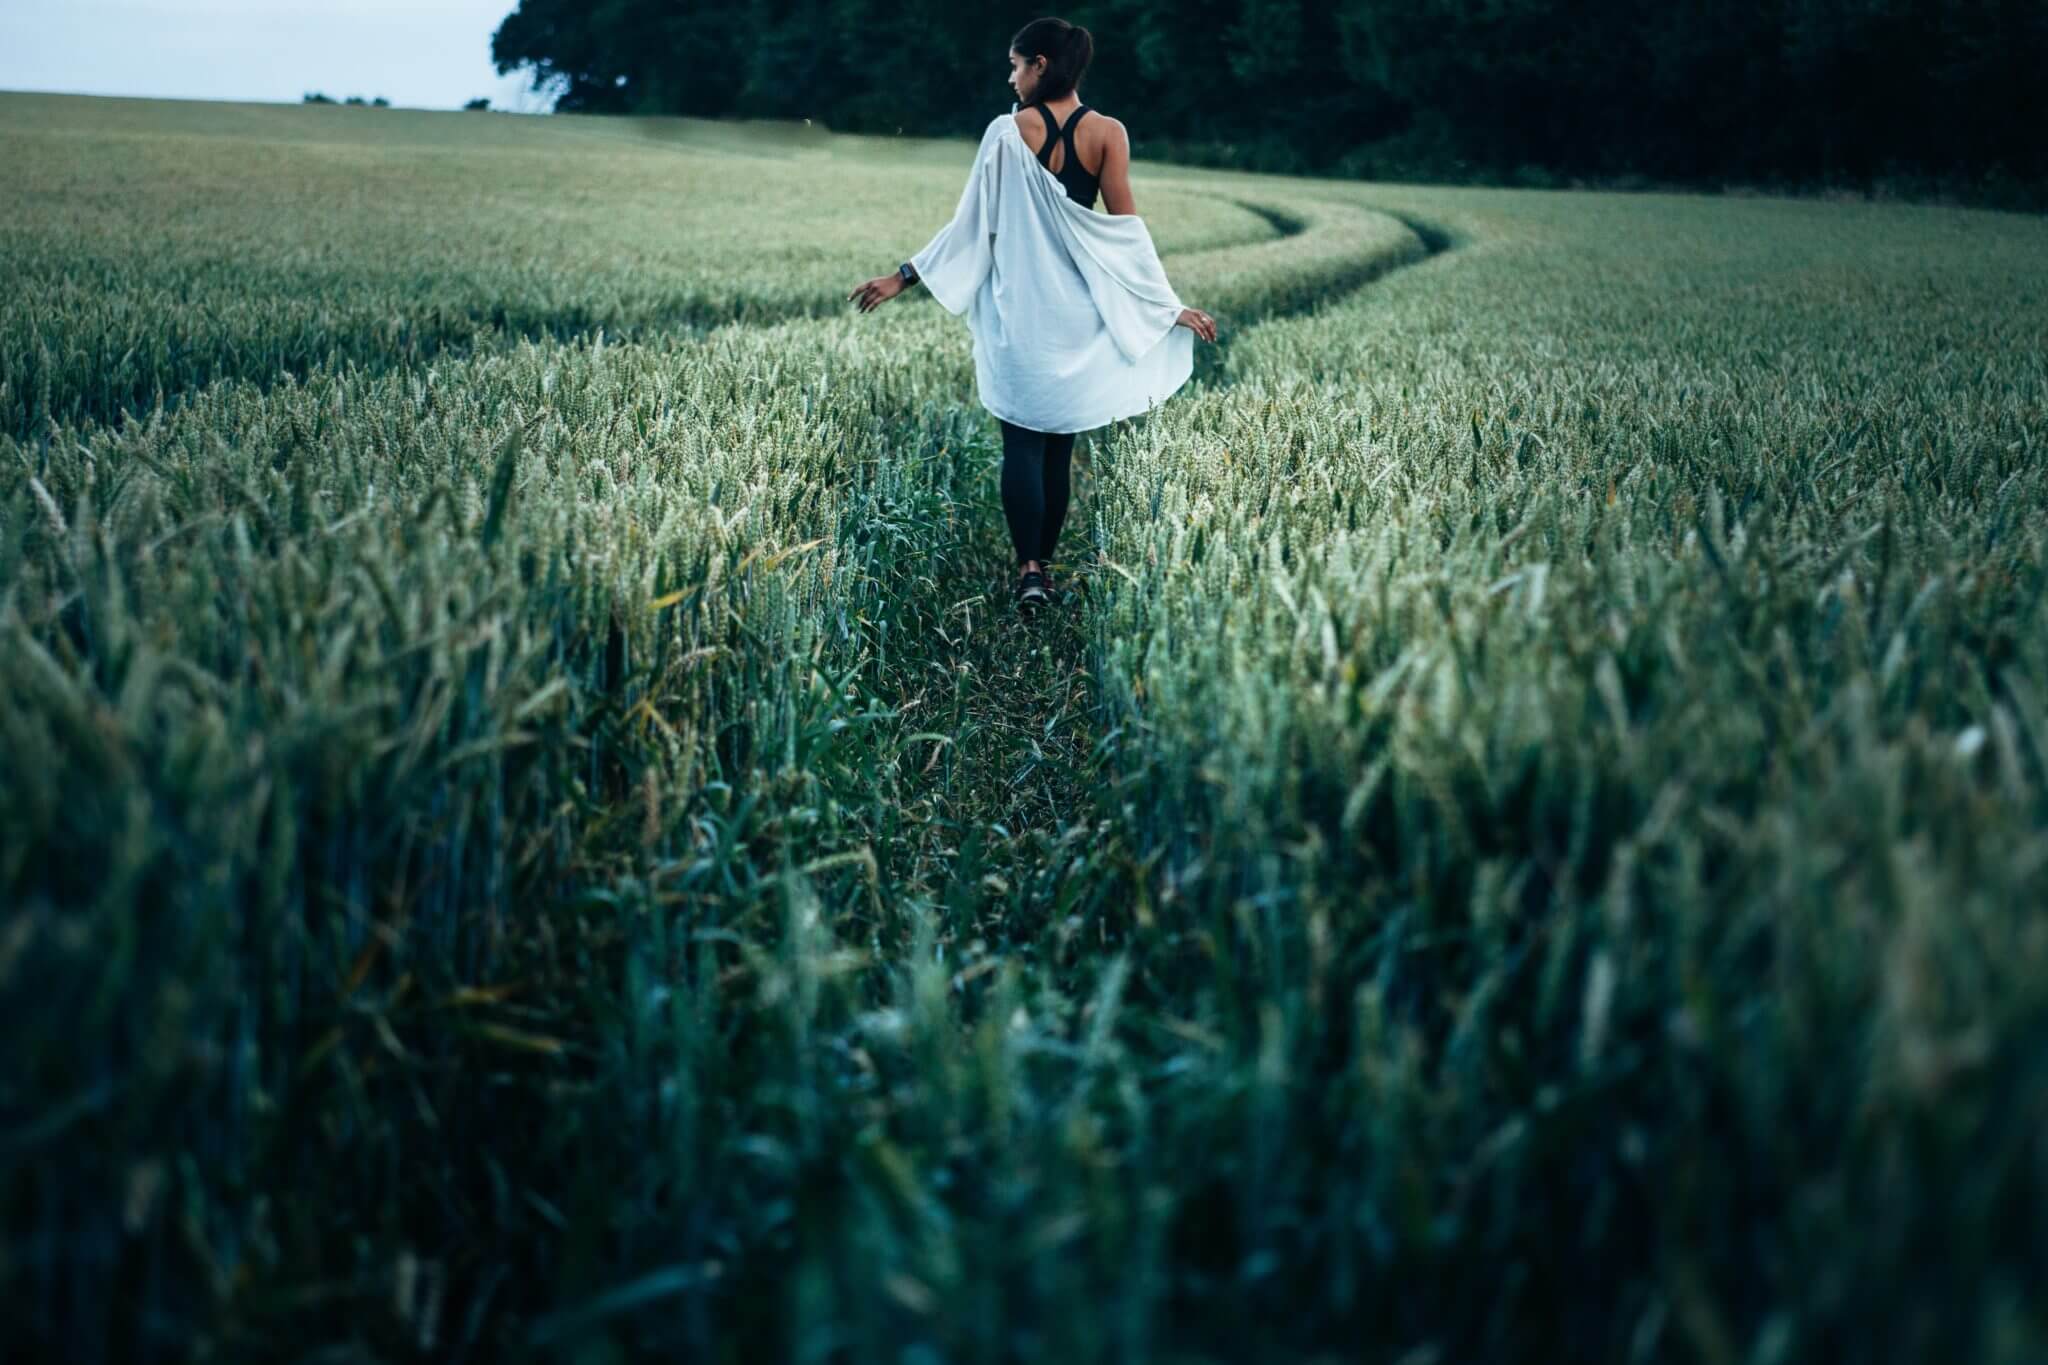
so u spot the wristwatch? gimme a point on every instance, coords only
(908, 272)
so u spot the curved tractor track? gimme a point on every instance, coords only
(1009, 798)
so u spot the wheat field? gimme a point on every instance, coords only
(532, 830)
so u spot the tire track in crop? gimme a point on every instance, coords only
(129, 387)
(1013, 798)
(1014, 786)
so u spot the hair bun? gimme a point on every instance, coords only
(1067, 50)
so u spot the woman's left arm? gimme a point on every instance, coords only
(1116, 171)
(953, 264)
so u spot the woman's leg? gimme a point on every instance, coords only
(1059, 462)
(1024, 487)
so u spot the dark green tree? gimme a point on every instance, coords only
(1795, 90)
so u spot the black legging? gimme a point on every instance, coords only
(1036, 469)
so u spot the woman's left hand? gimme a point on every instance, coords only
(872, 294)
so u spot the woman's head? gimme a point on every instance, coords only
(1047, 58)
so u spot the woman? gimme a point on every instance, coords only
(1074, 322)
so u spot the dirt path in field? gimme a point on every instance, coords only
(1021, 789)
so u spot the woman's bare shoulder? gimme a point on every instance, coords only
(1112, 133)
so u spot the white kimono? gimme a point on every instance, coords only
(1073, 319)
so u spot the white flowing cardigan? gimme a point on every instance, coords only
(1073, 319)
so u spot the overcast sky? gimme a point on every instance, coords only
(423, 54)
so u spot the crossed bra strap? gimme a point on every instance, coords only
(1053, 131)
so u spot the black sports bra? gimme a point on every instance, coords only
(1081, 186)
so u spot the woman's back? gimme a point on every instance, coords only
(1059, 148)
(1071, 310)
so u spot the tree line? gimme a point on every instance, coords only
(1917, 95)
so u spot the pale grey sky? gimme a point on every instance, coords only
(423, 54)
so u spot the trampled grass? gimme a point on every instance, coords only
(531, 828)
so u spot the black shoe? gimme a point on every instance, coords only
(1031, 590)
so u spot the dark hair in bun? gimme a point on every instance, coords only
(1067, 49)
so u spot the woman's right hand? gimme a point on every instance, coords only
(1198, 322)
